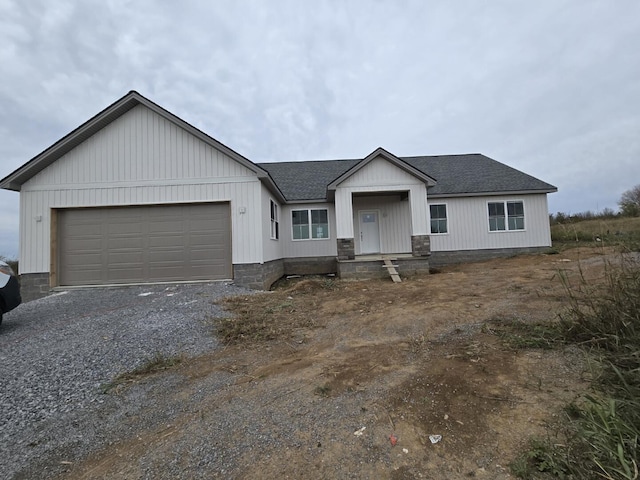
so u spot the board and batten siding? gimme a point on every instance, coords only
(272, 249)
(139, 159)
(321, 247)
(377, 176)
(468, 224)
(394, 220)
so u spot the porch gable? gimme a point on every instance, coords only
(378, 177)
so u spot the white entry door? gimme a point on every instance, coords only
(369, 232)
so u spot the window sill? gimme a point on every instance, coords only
(308, 239)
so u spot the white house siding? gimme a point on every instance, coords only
(394, 221)
(380, 175)
(272, 249)
(468, 224)
(139, 159)
(324, 247)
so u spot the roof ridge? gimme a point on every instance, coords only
(312, 161)
(446, 155)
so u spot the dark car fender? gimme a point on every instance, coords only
(11, 294)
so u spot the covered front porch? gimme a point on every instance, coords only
(383, 228)
(381, 209)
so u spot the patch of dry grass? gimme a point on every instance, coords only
(276, 315)
(610, 231)
(158, 363)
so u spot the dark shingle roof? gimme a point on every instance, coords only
(306, 180)
(455, 175)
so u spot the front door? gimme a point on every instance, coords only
(369, 232)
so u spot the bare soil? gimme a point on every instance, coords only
(354, 367)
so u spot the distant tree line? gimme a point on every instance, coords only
(629, 204)
(561, 217)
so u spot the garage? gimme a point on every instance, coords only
(143, 244)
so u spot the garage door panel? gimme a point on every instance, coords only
(167, 257)
(165, 228)
(124, 258)
(144, 244)
(87, 260)
(125, 243)
(167, 241)
(123, 275)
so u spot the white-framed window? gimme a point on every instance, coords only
(310, 224)
(438, 217)
(275, 225)
(507, 215)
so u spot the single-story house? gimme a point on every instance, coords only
(138, 195)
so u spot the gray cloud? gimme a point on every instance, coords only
(549, 87)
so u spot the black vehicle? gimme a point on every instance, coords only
(9, 289)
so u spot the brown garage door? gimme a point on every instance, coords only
(101, 246)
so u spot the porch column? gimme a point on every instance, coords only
(420, 245)
(344, 224)
(418, 204)
(420, 242)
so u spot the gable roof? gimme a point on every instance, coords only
(381, 152)
(454, 175)
(444, 175)
(14, 180)
(475, 174)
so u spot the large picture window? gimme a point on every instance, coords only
(311, 224)
(506, 216)
(438, 215)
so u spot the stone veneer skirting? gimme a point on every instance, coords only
(310, 265)
(346, 248)
(439, 259)
(34, 286)
(367, 269)
(259, 276)
(262, 276)
(420, 245)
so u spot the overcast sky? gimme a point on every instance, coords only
(551, 87)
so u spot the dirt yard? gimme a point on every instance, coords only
(360, 377)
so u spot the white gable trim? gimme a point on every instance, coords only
(16, 179)
(380, 153)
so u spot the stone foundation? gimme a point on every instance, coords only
(420, 245)
(346, 249)
(34, 286)
(310, 265)
(368, 269)
(258, 276)
(438, 259)
(262, 276)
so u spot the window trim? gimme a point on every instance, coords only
(446, 211)
(310, 225)
(274, 233)
(506, 216)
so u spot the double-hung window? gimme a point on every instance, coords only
(310, 224)
(506, 216)
(275, 226)
(438, 215)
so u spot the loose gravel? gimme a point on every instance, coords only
(57, 354)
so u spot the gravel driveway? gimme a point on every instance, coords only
(57, 352)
